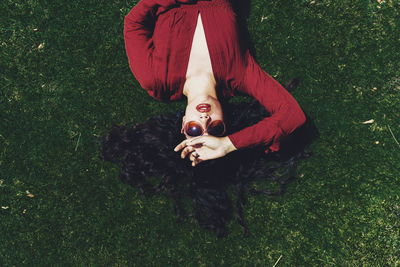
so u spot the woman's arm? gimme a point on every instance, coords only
(286, 114)
(138, 32)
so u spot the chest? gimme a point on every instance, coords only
(199, 58)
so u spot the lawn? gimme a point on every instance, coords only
(65, 80)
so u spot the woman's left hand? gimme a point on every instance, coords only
(204, 148)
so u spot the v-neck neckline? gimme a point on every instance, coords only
(211, 51)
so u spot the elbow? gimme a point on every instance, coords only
(146, 80)
(147, 84)
(131, 24)
(294, 118)
(128, 25)
(150, 87)
(126, 30)
(299, 118)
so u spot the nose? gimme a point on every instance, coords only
(204, 115)
(205, 119)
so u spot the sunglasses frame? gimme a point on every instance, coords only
(184, 129)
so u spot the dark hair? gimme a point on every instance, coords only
(145, 151)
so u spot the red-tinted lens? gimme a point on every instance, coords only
(216, 128)
(193, 128)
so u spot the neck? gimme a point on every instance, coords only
(199, 86)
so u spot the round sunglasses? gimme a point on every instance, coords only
(215, 128)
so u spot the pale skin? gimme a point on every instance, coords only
(199, 88)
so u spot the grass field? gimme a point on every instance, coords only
(65, 80)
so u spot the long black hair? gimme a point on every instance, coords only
(145, 151)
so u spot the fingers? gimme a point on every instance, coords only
(181, 145)
(195, 158)
(189, 146)
(187, 142)
(196, 162)
(186, 151)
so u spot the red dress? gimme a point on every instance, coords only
(158, 38)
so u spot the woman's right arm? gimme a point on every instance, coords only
(138, 32)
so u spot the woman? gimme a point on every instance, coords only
(193, 49)
(215, 191)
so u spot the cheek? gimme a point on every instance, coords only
(190, 115)
(217, 116)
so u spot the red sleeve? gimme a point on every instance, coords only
(286, 114)
(138, 31)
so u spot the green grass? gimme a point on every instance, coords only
(65, 80)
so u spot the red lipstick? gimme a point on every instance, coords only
(203, 107)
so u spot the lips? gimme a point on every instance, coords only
(203, 107)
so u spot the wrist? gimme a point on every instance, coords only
(229, 147)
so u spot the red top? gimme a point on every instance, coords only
(158, 38)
